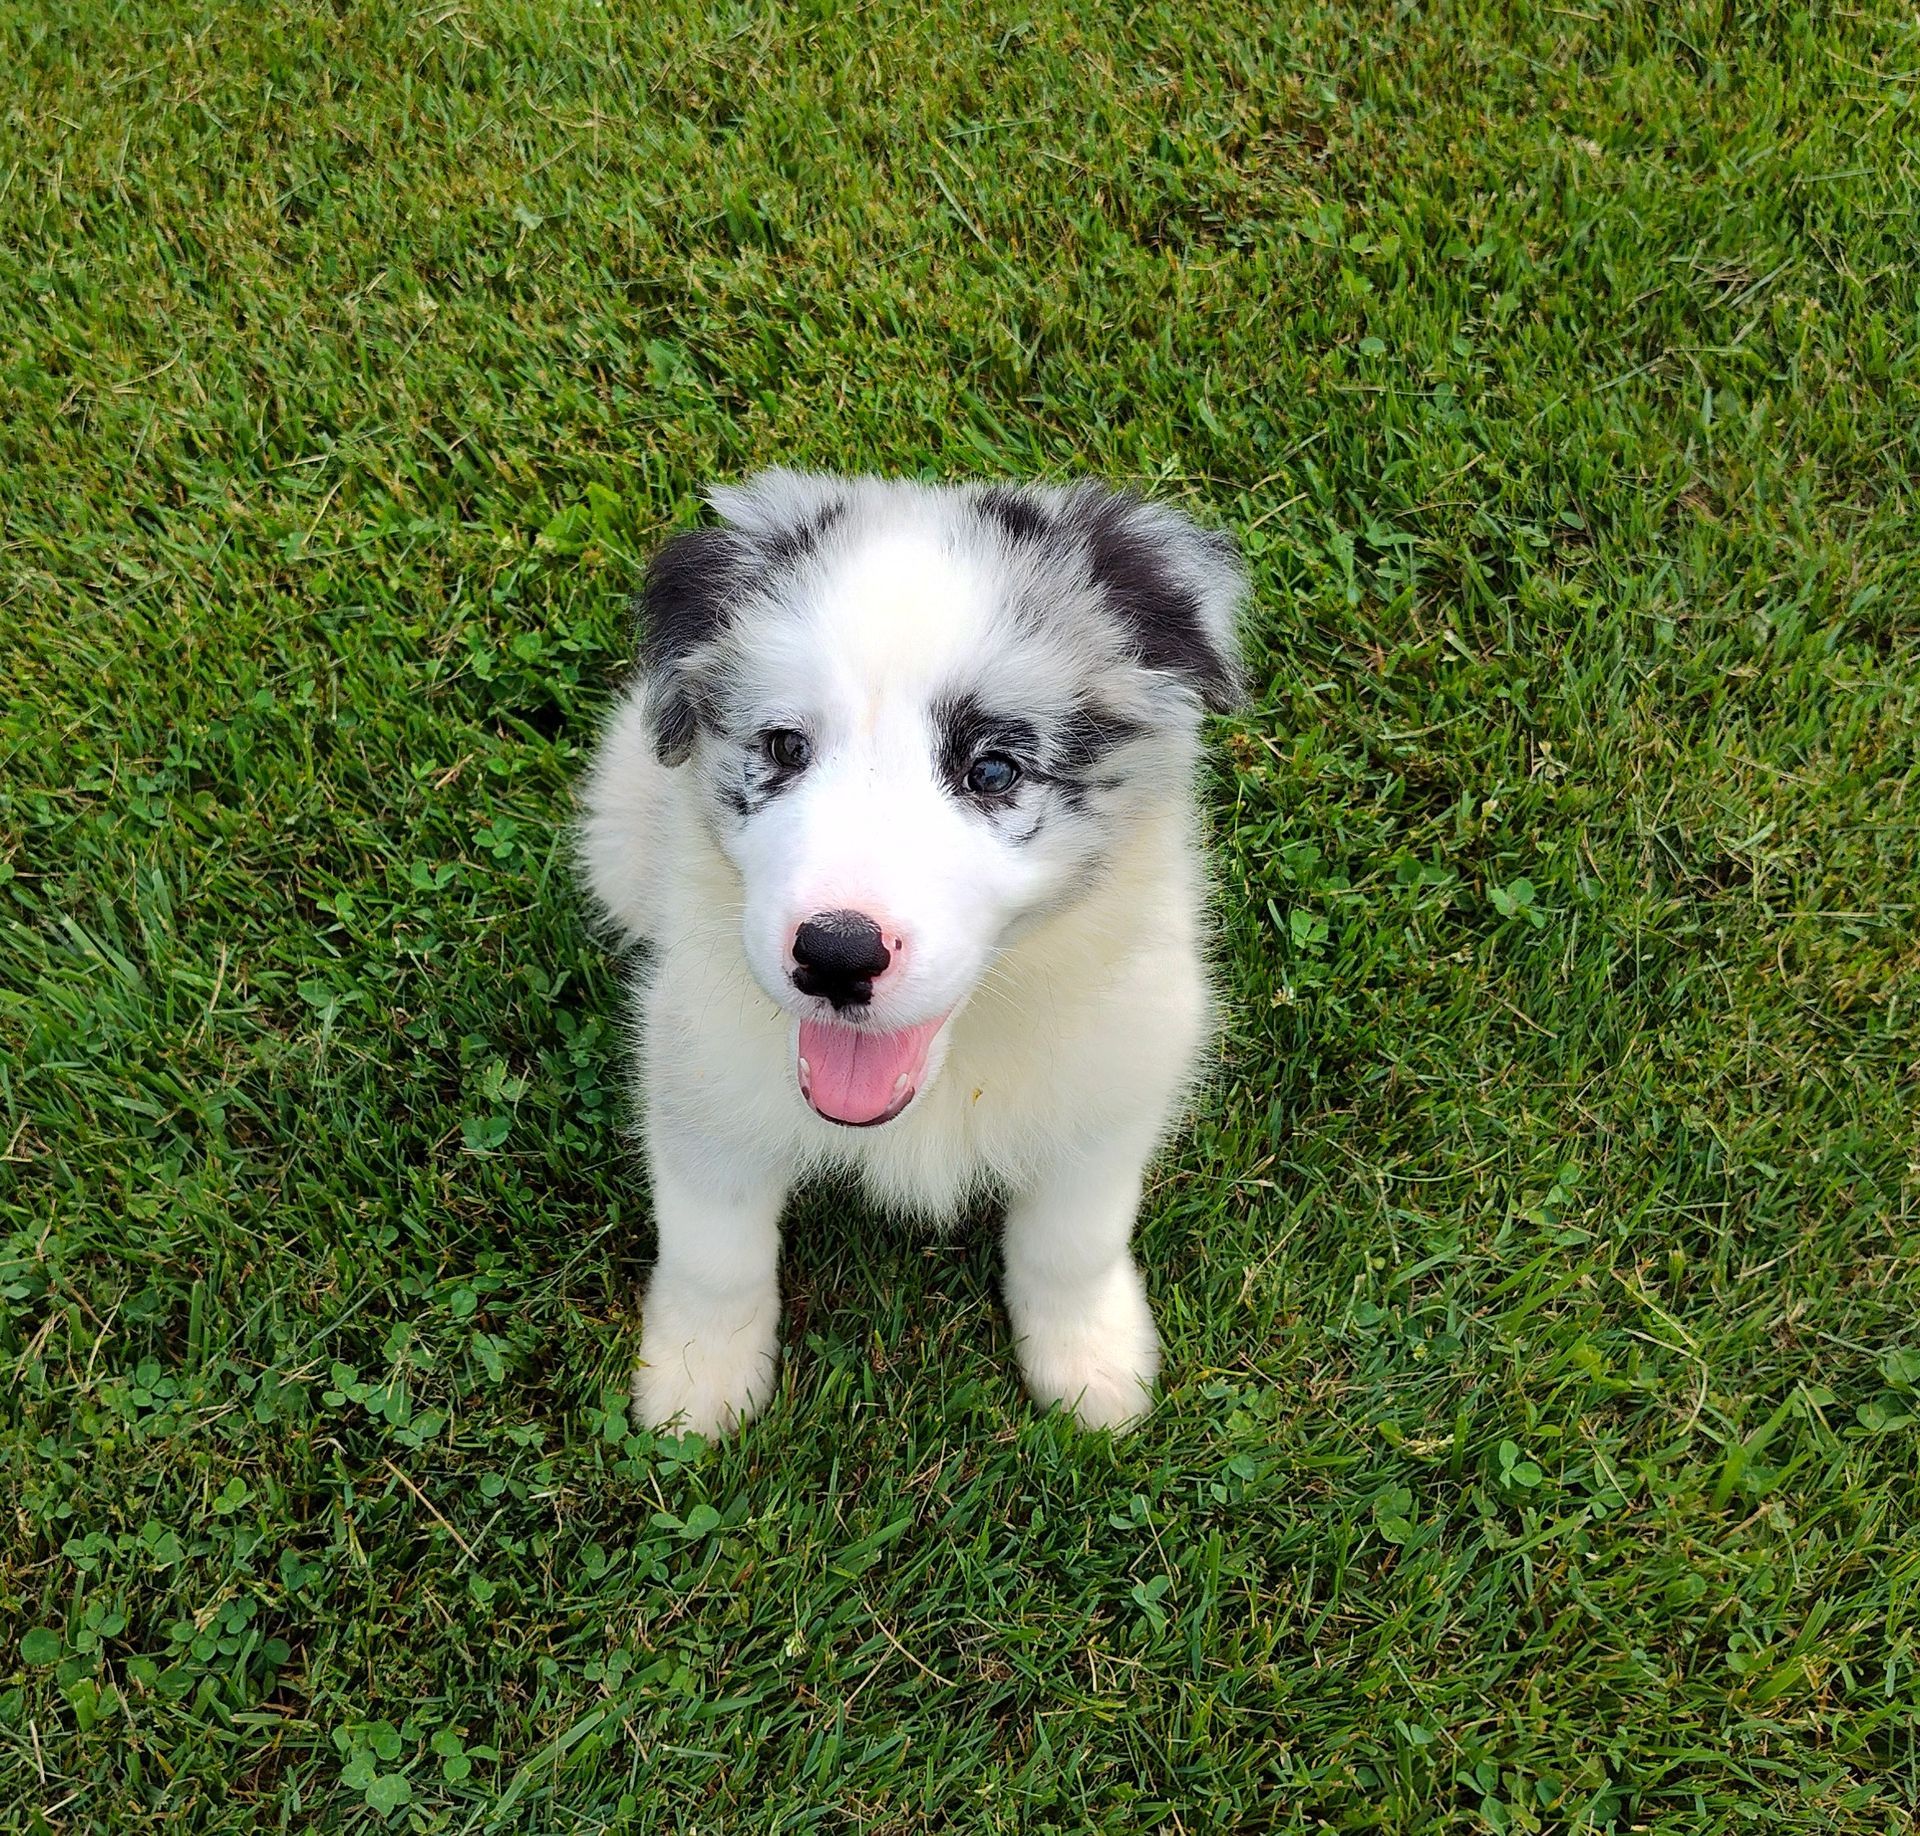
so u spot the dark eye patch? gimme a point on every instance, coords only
(1088, 734)
(966, 728)
(766, 771)
(1066, 755)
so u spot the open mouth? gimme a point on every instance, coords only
(862, 1078)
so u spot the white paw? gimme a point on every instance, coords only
(705, 1369)
(1093, 1352)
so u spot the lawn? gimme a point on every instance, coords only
(1541, 1273)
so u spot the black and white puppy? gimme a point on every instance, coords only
(900, 804)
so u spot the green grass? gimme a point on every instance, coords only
(1540, 1281)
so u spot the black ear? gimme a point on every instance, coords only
(1174, 587)
(682, 606)
(1019, 517)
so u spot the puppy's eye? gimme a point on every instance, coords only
(993, 774)
(790, 750)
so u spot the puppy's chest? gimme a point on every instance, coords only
(973, 1132)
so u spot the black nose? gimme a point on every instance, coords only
(839, 954)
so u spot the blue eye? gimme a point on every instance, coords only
(993, 774)
(789, 750)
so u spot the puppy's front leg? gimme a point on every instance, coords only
(711, 1326)
(1081, 1326)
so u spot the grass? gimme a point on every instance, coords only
(1540, 1281)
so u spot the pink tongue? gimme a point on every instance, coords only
(856, 1077)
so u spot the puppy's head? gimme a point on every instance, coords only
(918, 719)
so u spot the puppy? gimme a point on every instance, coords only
(900, 805)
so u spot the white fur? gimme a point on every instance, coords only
(1072, 964)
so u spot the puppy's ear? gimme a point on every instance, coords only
(683, 607)
(1173, 587)
(777, 507)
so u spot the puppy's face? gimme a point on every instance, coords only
(919, 718)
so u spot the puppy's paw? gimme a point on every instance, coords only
(1096, 1356)
(704, 1370)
